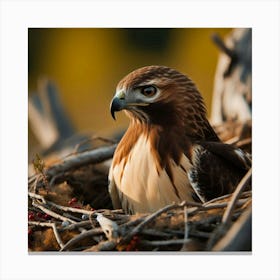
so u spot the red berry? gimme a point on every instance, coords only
(46, 217)
(72, 201)
(30, 231)
(40, 215)
(31, 216)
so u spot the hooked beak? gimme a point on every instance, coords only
(117, 104)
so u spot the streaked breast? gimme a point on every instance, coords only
(142, 186)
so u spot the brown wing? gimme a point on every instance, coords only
(217, 169)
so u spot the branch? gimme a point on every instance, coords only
(222, 47)
(75, 161)
(53, 226)
(81, 236)
(221, 230)
(241, 186)
(53, 214)
(153, 216)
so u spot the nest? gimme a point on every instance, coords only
(69, 209)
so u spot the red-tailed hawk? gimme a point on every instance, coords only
(170, 152)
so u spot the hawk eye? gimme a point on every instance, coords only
(148, 91)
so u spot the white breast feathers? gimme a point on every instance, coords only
(137, 186)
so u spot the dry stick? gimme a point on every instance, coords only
(57, 236)
(55, 231)
(217, 199)
(81, 236)
(232, 140)
(194, 210)
(163, 242)
(219, 233)
(221, 45)
(150, 218)
(132, 223)
(53, 214)
(186, 233)
(37, 196)
(154, 232)
(238, 237)
(223, 197)
(34, 185)
(32, 178)
(241, 186)
(70, 209)
(84, 158)
(247, 203)
(243, 142)
(77, 225)
(91, 139)
(60, 207)
(102, 246)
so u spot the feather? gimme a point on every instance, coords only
(143, 184)
(170, 152)
(216, 169)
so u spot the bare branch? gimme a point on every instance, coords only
(53, 226)
(81, 159)
(81, 236)
(241, 186)
(53, 214)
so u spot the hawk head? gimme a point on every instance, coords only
(159, 95)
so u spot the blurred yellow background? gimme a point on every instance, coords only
(87, 63)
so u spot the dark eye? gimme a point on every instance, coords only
(148, 91)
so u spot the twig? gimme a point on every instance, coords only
(186, 234)
(81, 236)
(186, 227)
(75, 161)
(69, 209)
(232, 140)
(133, 222)
(221, 45)
(102, 246)
(200, 234)
(153, 232)
(60, 207)
(35, 182)
(162, 242)
(243, 142)
(91, 139)
(221, 230)
(77, 225)
(53, 226)
(37, 196)
(57, 236)
(239, 236)
(224, 197)
(194, 210)
(150, 218)
(229, 210)
(53, 214)
(32, 178)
